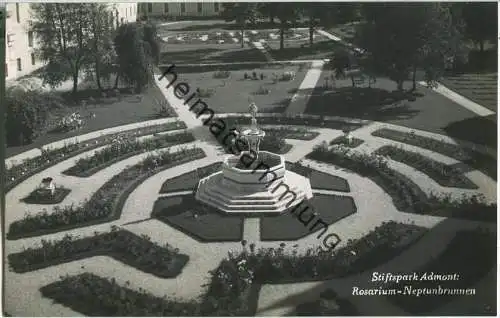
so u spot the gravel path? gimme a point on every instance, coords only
(374, 206)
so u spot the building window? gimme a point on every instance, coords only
(200, 9)
(30, 38)
(18, 16)
(165, 8)
(183, 8)
(19, 66)
(216, 7)
(150, 7)
(33, 60)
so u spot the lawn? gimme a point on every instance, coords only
(299, 49)
(480, 88)
(109, 112)
(430, 111)
(200, 221)
(234, 94)
(209, 53)
(286, 226)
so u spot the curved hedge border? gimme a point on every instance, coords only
(295, 120)
(444, 175)
(475, 159)
(235, 284)
(117, 152)
(106, 204)
(405, 194)
(124, 246)
(19, 173)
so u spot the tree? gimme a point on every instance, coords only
(103, 54)
(287, 13)
(241, 12)
(404, 37)
(480, 21)
(268, 10)
(62, 31)
(138, 51)
(26, 113)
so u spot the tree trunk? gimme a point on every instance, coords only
(75, 83)
(282, 36)
(98, 74)
(311, 33)
(414, 78)
(116, 80)
(242, 35)
(400, 85)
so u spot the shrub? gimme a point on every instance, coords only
(27, 112)
(222, 74)
(164, 109)
(262, 90)
(205, 92)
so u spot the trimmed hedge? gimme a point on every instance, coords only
(21, 172)
(235, 284)
(123, 149)
(135, 251)
(475, 159)
(444, 175)
(106, 204)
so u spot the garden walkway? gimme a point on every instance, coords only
(374, 206)
(298, 103)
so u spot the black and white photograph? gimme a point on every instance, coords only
(249, 158)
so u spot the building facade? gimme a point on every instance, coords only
(180, 9)
(20, 41)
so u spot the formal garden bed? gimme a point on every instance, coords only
(27, 168)
(124, 246)
(405, 194)
(475, 159)
(38, 197)
(189, 181)
(122, 149)
(287, 227)
(345, 141)
(443, 174)
(319, 180)
(106, 204)
(469, 255)
(110, 299)
(234, 286)
(294, 120)
(200, 221)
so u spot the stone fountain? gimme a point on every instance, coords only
(244, 188)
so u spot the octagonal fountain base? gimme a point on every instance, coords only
(254, 189)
